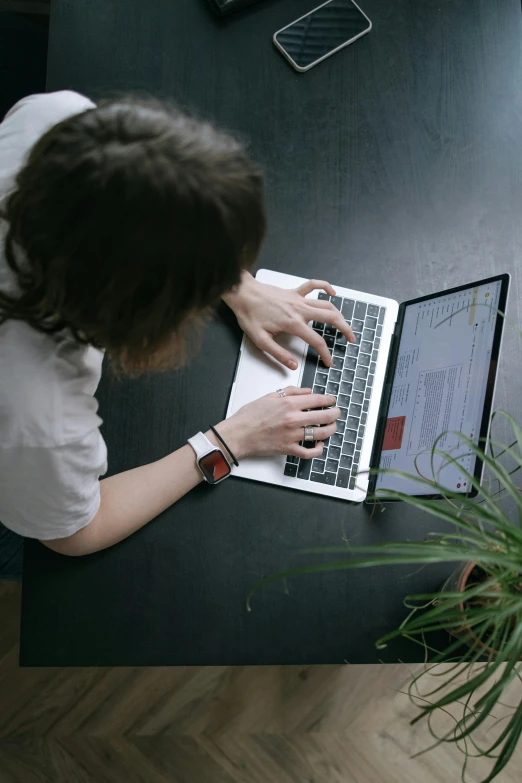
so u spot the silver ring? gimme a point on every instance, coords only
(281, 392)
(308, 433)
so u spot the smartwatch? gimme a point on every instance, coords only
(211, 461)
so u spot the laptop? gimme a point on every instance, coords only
(417, 370)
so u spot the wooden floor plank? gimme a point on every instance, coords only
(270, 724)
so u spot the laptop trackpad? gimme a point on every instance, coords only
(259, 374)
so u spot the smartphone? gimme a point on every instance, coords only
(321, 32)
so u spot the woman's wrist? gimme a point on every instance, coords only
(232, 436)
(232, 297)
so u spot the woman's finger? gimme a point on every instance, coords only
(315, 401)
(330, 315)
(291, 391)
(307, 419)
(269, 346)
(320, 433)
(300, 451)
(314, 285)
(307, 334)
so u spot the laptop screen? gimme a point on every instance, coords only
(439, 387)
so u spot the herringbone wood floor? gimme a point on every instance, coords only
(319, 724)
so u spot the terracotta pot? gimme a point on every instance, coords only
(458, 581)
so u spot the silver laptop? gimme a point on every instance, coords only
(417, 370)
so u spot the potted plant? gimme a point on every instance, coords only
(480, 604)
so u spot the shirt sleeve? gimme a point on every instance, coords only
(49, 493)
(27, 121)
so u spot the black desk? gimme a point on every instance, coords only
(393, 167)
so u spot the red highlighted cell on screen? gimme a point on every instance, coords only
(393, 433)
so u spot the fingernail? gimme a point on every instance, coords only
(292, 364)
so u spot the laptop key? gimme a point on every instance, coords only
(378, 331)
(363, 418)
(292, 459)
(346, 461)
(337, 301)
(370, 381)
(336, 439)
(373, 367)
(340, 425)
(364, 360)
(309, 368)
(361, 372)
(350, 363)
(368, 393)
(347, 309)
(348, 448)
(366, 347)
(339, 350)
(361, 430)
(358, 397)
(368, 334)
(356, 457)
(371, 323)
(351, 485)
(343, 400)
(334, 452)
(323, 296)
(318, 466)
(319, 390)
(377, 342)
(346, 388)
(359, 384)
(330, 330)
(290, 470)
(330, 341)
(321, 379)
(335, 376)
(358, 445)
(352, 423)
(352, 350)
(375, 355)
(332, 388)
(337, 362)
(366, 405)
(319, 478)
(381, 315)
(355, 410)
(303, 470)
(373, 310)
(330, 479)
(332, 465)
(357, 326)
(343, 477)
(343, 415)
(350, 436)
(340, 338)
(360, 310)
(318, 325)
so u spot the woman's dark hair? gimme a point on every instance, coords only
(126, 224)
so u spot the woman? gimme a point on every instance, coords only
(121, 226)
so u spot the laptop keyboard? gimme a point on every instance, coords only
(350, 381)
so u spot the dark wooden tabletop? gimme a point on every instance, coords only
(393, 167)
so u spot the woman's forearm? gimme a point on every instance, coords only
(131, 499)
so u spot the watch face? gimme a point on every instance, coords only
(214, 466)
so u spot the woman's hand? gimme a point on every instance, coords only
(274, 424)
(264, 311)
